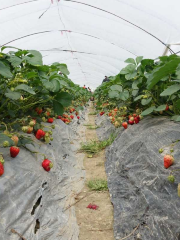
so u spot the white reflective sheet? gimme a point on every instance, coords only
(93, 37)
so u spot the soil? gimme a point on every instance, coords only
(94, 224)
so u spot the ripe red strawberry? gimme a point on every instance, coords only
(113, 119)
(125, 125)
(167, 108)
(136, 120)
(72, 117)
(168, 161)
(134, 115)
(138, 117)
(47, 165)
(1, 169)
(39, 110)
(40, 133)
(78, 117)
(59, 117)
(50, 120)
(131, 122)
(92, 206)
(14, 151)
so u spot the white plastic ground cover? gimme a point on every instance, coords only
(146, 204)
(35, 203)
(93, 37)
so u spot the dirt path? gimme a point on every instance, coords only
(94, 224)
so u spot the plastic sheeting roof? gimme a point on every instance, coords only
(93, 37)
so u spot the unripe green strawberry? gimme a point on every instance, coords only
(48, 109)
(25, 129)
(53, 126)
(6, 144)
(161, 150)
(50, 132)
(32, 123)
(171, 107)
(138, 111)
(47, 139)
(46, 134)
(171, 178)
(44, 119)
(51, 138)
(1, 159)
(6, 132)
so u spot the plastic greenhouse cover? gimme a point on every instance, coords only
(93, 37)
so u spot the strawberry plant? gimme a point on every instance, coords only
(144, 86)
(32, 93)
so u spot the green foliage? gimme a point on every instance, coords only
(93, 113)
(96, 146)
(147, 84)
(170, 90)
(148, 111)
(3, 138)
(25, 83)
(93, 127)
(169, 67)
(98, 185)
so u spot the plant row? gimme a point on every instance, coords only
(32, 94)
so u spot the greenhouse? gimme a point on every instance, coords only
(89, 120)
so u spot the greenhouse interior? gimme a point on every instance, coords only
(89, 120)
